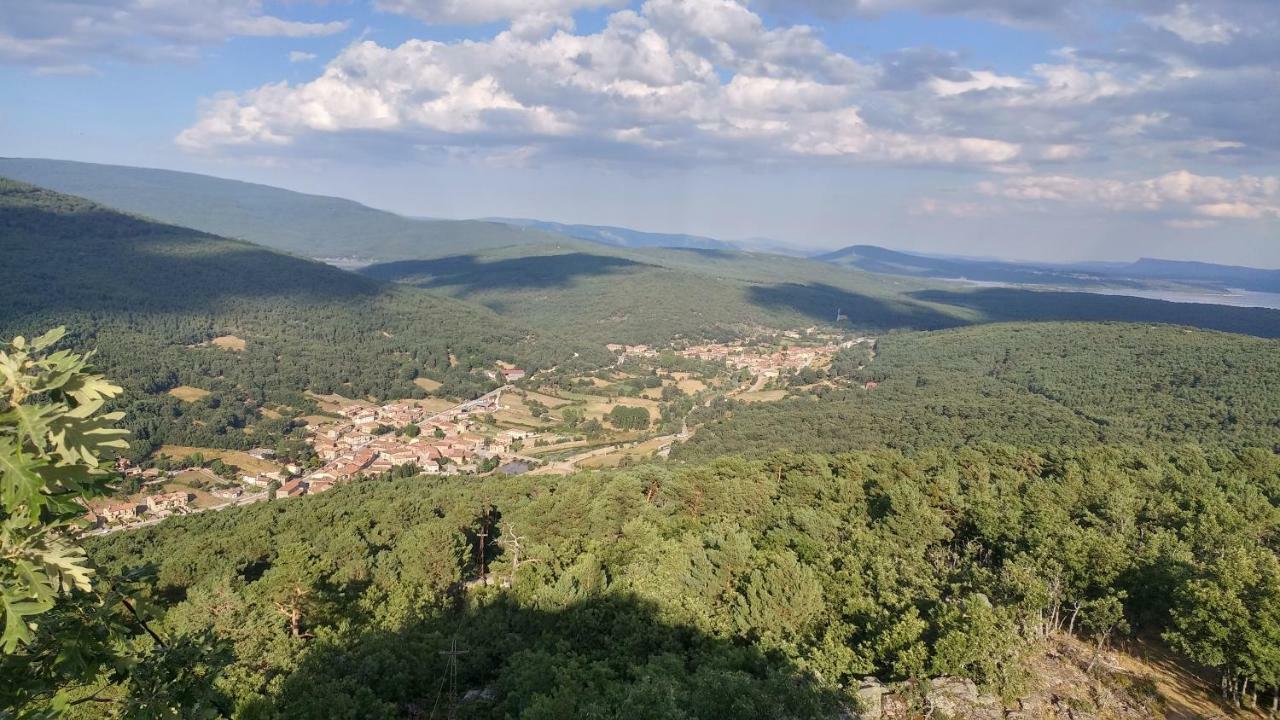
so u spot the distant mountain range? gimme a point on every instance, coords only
(313, 226)
(620, 236)
(1138, 274)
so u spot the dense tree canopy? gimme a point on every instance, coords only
(781, 581)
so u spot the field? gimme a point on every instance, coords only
(186, 393)
(687, 384)
(242, 460)
(599, 407)
(516, 412)
(550, 401)
(762, 396)
(643, 451)
(332, 403)
(435, 404)
(426, 383)
(229, 342)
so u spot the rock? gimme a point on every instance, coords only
(871, 699)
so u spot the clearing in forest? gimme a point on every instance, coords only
(426, 383)
(186, 393)
(229, 342)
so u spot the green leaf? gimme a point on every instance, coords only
(48, 338)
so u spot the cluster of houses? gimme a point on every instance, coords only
(370, 440)
(759, 361)
(152, 506)
(627, 352)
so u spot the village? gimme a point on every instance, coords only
(511, 430)
(765, 355)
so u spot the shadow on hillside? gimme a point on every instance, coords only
(99, 260)
(607, 657)
(1008, 304)
(713, 253)
(468, 274)
(820, 302)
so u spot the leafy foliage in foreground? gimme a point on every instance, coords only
(66, 631)
(680, 592)
(1027, 384)
(150, 297)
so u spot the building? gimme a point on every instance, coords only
(120, 512)
(262, 453)
(168, 501)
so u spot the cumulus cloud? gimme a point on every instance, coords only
(1194, 26)
(693, 79)
(55, 35)
(470, 12)
(1248, 197)
(678, 81)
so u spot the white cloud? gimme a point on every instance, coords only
(977, 81)
(473, 12)
(1194, 26)
(1247, 197)
(688, 78)
(53, 35)
(297, 56)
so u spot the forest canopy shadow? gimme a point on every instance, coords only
(1009, 304)
(101, 260)
(820, 302)
(548, 664)
(470, 274)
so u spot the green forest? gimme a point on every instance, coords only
(1007, 475)
(1031, 385)
(149, 297)
(762, 588)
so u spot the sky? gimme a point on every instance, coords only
(1021, 129)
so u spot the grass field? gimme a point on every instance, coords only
(762, 396)
(600, 407)
(687, 384)
(426, 383)
(550, 401)
(242, 460)
(186, 393)
(229, 342)
(435, 405)
(643, 451)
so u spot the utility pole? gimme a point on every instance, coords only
(482, 534)
(452, 669)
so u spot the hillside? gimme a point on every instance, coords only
(652, 295)
(1141, 273)
(622, 237)
(150, 298)
(308, 225)
(738, 589)
(592, 291)
(1030, 385)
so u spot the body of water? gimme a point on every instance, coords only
(1233, 297)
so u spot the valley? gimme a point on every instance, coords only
(836, 487)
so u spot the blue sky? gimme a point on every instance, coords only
(1072, 130)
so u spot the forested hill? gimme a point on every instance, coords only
(150, 298)
(765, 589)
(309, 225)
(1028, 384)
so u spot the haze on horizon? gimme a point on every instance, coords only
(1048, 131)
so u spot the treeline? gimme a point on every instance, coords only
(741, 588)
(1027, 384)
(149, 298)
